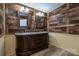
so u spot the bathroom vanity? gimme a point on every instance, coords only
(30, 42)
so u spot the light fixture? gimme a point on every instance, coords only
(40, 14)
(27, 10)
(22, 9)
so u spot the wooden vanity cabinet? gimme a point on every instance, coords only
(29, 44)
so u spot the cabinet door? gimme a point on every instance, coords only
(44, 38)
(32, 44)
(22, 43)
(26, 43)
(40, 40)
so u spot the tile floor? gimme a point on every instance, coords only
(54, 51)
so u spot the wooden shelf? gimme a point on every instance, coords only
(68, 23)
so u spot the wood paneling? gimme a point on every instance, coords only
(13, 19)
(65, 21)
(10, 45)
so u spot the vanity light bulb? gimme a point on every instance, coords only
(27, 9)
(37, 14)
(40, 14)
(22, 9)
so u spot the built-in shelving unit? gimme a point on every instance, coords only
(66, 21)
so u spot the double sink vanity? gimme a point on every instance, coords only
(30, 42)
(28, 27)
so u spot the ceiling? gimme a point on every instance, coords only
(46, 7)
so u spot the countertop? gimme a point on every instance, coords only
(31, 33)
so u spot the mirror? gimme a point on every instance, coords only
(23, 23)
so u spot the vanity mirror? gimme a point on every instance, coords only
(23, 23)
